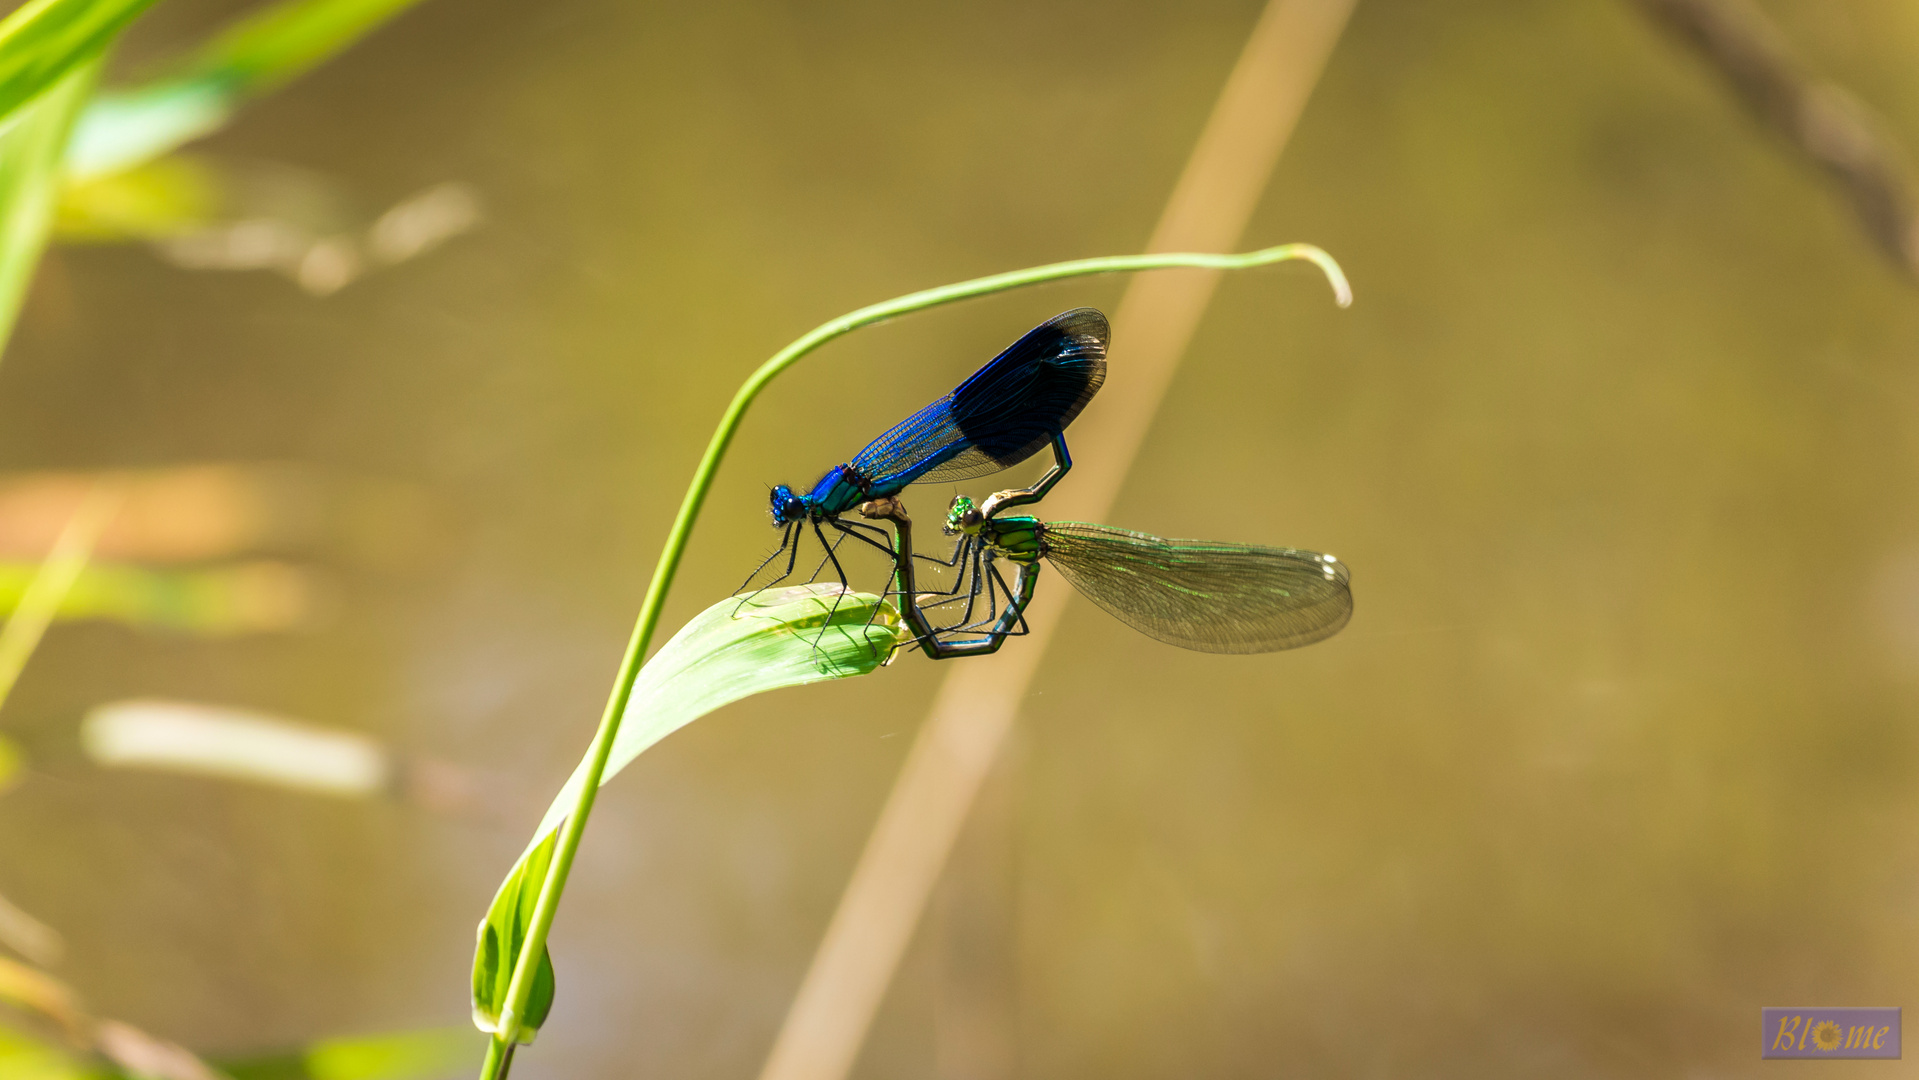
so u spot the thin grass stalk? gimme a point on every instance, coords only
(48, 589)
(520, 987)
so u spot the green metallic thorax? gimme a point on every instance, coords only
(1015, 539)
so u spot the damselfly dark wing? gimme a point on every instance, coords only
(1218, 598)
(1000, 416)
(1013, 406)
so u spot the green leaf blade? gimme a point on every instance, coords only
(732, 650)
(31, 143)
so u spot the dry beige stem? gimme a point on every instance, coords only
(1818, 118)
(145, 1056)
(28, 936)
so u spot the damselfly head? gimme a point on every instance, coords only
(787, 507)
(962, 517)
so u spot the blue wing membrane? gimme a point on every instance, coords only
(1001, 415)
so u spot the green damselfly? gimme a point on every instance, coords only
(1196, 594)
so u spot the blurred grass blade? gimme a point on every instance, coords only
(45, 41)
(48, 589)
(30, 147)
(172, 196)
(782, 637)
(35, 991)
(13, 762)
(29, 937)
(147, 1057)
(126, 128)
(134, 1052)
(255, 55)
(23, 1057)
(431, 1054)
(208, 512)
(235, 744)
(218, 601)
(280, 43)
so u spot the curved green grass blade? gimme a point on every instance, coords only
(781, 637)
(255, 55)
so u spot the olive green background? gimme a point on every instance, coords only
(1618, 440)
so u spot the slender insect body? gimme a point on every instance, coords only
(838, 491)
(1014, 406)
(1196, 594)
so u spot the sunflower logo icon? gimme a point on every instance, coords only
(1826, 1035)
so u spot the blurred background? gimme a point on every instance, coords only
(1618, 440)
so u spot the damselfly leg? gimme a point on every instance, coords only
(789, 547)
(1062, 464)
(928, 637)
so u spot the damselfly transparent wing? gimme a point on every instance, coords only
(1197, 594)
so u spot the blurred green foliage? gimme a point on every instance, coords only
(433, 1054)
(238, 599)
(50, 51)
(429, 1054)
(255, 55)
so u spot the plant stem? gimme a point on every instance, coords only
(499, 1055)
(520, 987)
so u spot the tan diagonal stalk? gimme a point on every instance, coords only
(977, 703)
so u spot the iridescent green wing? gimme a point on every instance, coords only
(1219, 598)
